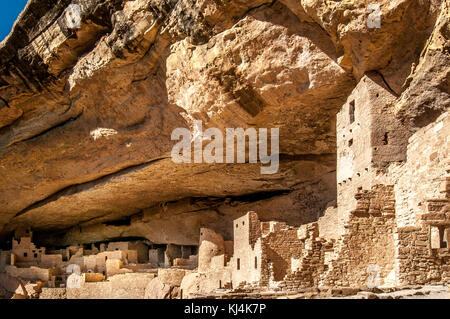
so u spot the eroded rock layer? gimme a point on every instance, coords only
(87, 112)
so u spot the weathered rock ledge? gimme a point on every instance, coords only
(86, 113)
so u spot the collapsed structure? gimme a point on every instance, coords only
(93, 266)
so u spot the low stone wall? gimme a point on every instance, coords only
(123, 286)
(32, 273)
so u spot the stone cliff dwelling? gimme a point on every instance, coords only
(373, 224)
(92, 206)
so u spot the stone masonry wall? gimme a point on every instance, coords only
(423, 176)
(247, 247)
(417, 263)
(278, 247)
(306, 271)
(368, 240)
(369, 137)
(423, 207)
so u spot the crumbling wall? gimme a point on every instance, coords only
(281, 257)
(417, 262)
(306, 270)
(26, 252)
(279, 246)
(368, 241)
(423, 207)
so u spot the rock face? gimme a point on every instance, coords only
(87, 112)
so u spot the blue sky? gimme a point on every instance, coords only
(9, 11)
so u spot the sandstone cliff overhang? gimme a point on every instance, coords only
(142, 68)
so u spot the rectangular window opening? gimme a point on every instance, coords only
(351, 111)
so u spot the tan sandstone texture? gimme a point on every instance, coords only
(93, 206)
